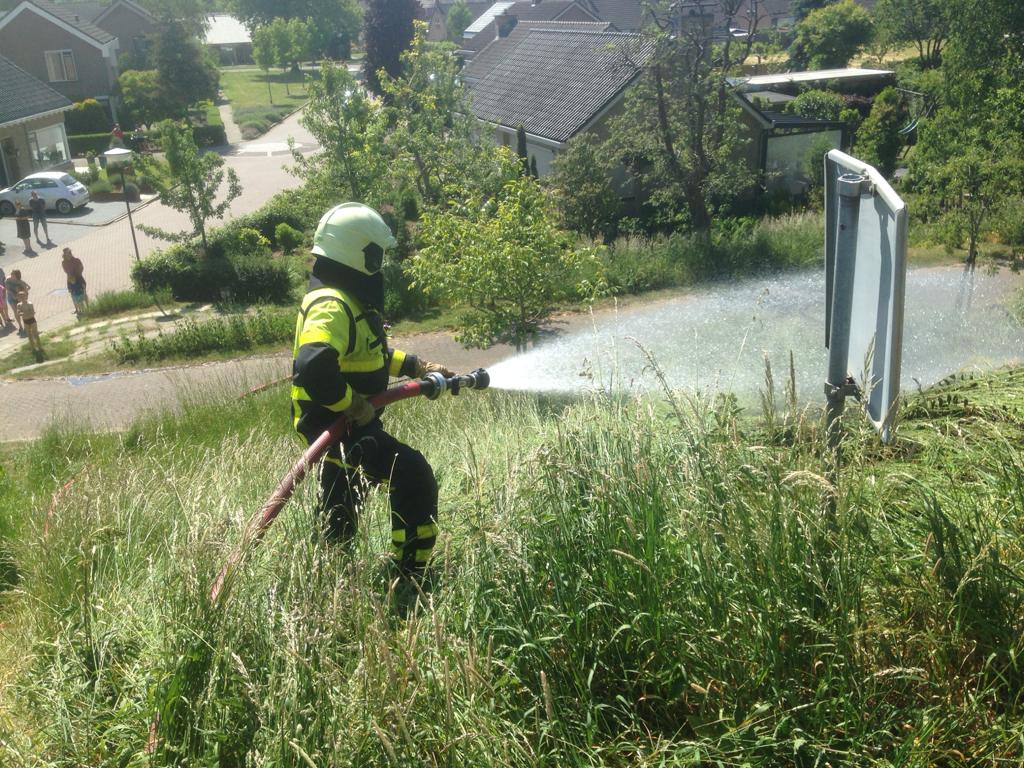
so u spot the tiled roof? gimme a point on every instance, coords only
(543, 11)
(485, 19)
(554, 82)
(23, 96)
(488, 57)
(626, 15)
(67, 14)
(86, 10)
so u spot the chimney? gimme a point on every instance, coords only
(505, 24)
(77, 20)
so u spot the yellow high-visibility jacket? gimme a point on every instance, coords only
(337, 350)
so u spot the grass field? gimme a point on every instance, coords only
(619, 582)
(250, 99)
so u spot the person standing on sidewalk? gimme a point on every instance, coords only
(27, 312)
(24, 230)
(15, 286)
(73, 268)
(38, 206)
(5, 315)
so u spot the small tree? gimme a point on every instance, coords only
(189, 182)
(817, 104)
(301, 34)
(521, 150)
(264, 54)
(505, 263)
(142, 97)
(583, 192)
(829, 37)
(282, 37)
(459, 17)
(926, 23)
(878, 139)
(388, 32)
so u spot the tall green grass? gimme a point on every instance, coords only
(646, 582)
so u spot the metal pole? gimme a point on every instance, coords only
(838, 386)
(131, 223)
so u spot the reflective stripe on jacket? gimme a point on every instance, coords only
(336, 351)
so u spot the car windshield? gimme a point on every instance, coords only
(67, 180)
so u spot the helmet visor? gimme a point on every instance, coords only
(373, 256)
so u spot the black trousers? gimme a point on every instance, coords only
(369, 455)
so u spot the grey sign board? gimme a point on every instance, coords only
(865, 279)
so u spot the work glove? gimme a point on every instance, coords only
(423, 367)
(360, 412)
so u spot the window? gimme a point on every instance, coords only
(60, 66)
(49, 146)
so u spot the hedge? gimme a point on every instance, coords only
(86, 117)
(82, 143)
(209, 135)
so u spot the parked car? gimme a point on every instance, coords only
(61, 191)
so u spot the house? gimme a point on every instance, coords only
(74, 56)
(782, 140)
(132, 25)
(436, 15)
(32, 136)
(557, 82)
(229, 37)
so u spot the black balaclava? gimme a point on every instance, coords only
(368, 290)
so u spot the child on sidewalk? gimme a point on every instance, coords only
(15, 285)
(28, 317)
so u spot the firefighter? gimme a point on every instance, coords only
(340, 358)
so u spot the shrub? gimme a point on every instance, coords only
(80, 144)
(253, 129)
(192, 339)
(283, 208)
(817, 104)
(209, 135)
(100, 186)
(287, 237)
(131, 191)
(1009, 223)
(87, 116)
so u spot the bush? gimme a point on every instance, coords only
(219, 277)
(79, 144)
(817, 104)
(253, 129)
(100, 187)
(209, 135)
(287, 237)
(87, 117)
(284, 208)
(1009, 222)
(131, 191)
(192, 339)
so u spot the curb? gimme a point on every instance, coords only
(118, 218)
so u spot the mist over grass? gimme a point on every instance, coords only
(620, 582)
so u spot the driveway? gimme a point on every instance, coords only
(107, 252)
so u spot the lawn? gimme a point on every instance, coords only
(250, 100)
(619, 582)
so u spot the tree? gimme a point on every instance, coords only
(505, 263)
(388, 32)
(185, 76)
(680, 132)
(142, 97)
(926, 23)
(337, 22)
(189, 182)
(301, 34)
(583, 192)
(829, 37)
(878, 139)
(801, 8)
(264, 54)
(521, 149)
(459, 17)
(817, 104)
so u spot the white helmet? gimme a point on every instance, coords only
(354, 235)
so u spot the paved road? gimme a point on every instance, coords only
(114, 401)
(107, 252)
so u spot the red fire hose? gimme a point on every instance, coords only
(431, 387)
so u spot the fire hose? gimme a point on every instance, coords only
(432, 386)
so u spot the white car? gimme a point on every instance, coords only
(61, 191)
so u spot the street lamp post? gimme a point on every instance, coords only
(118, 156)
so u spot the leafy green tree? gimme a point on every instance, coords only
(264, 54)
(301, 35)
(926, 23)
(801, 8)
(351, 128)
(521, 149)
(388, 32)
(190, 182)
(504, 263)
(185, 75)
(336, 22)
(459, 17)
(817, 104)
(830, 36)
(583, 191)
(878, 139)
(142, 97)
(680, 133)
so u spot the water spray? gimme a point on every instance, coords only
(432, 386)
